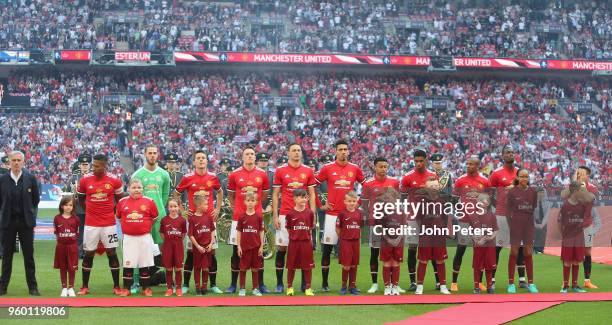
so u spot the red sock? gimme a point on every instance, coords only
(395, 274)
(242, 279)
(71, 273)
(307, 277)
(575, 269)
(511, 268)
(290, 276)
(169, 278)
(477, 276)
(566, 274)
(63, 277)
(178, 278)
(387, 275)
(345, 276)
(529, 267)
(489, 275)
(255, 277)
(197, 273)
(353, 277)
(421, 270)
(442, 273)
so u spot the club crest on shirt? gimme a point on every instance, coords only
(209, 183)
(258, 179)
(108, 186)
(143, 207)
(303, 176)
(350, 174)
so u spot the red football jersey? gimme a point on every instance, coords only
(485, 221)
(520, 203)
(349, 224)
(299, 224)
(100, 198)
(136, 215)
(289, 179)
(416, 179)
(467, 184)
(194, 184)
(373, 188)
(572, 218)
(500, 178)
(241, 181)
(340, 180)
(201, 228)
(249, 227)
(66, 230)
(470, 183)
(173, 228)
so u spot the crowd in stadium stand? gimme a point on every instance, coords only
(222, 113)
(449, 27)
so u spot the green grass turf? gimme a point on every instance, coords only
(547, 277)
(570, 313)
(47, 214)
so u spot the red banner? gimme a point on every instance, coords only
(396, 60)
(132, 56)
(74, 55)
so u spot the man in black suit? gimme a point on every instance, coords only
(19, 198)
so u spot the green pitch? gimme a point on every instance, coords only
(547, 277)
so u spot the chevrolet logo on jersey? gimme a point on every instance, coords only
(342, 182)
(295, 184)
(134, 215)
(249, 189)
(152, 186)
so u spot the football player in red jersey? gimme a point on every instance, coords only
(98, 193)
(502, 180)
(288, 178)
(201, 182)
(373, 188)
(467, 188)
(137, 214)
(415, 179)
(341, 176)
(245, 179)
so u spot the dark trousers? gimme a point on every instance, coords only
(26, 238)
(81, 230)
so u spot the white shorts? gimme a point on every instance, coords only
(412, 239)
(137, 251)
(464, 239)
(233, 237)
(589, 233)
(374, 239)
(107, 235)
(503, 235)
(154, 248)
(330, 237)
(282, 235)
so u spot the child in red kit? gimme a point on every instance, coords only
(173, 228)
(66, 230)
(484, 257)
(574, 211)
(250, 238)
(348, 228)
(201, 227)
(300, 222)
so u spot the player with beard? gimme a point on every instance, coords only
(98, 193)
(341, 177)
(288, 178)
(502, 180)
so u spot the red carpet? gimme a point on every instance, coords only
(479, 313)
(305, 301)
(601, 252)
